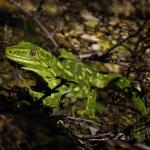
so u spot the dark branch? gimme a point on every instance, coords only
(36, 20)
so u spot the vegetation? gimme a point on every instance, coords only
(108, 41)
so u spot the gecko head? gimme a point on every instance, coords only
(25, 53)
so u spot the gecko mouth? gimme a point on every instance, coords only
(23, 60)
(18, 59)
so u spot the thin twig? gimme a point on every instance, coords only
(108, 51)
(98, 136)
(40, 25)
(82, 119)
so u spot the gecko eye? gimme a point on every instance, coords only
(10, 51)
(32, 52)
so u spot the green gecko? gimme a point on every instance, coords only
(80, 80)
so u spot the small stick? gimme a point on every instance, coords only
(40, 25)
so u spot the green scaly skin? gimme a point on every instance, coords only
(82, 80)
